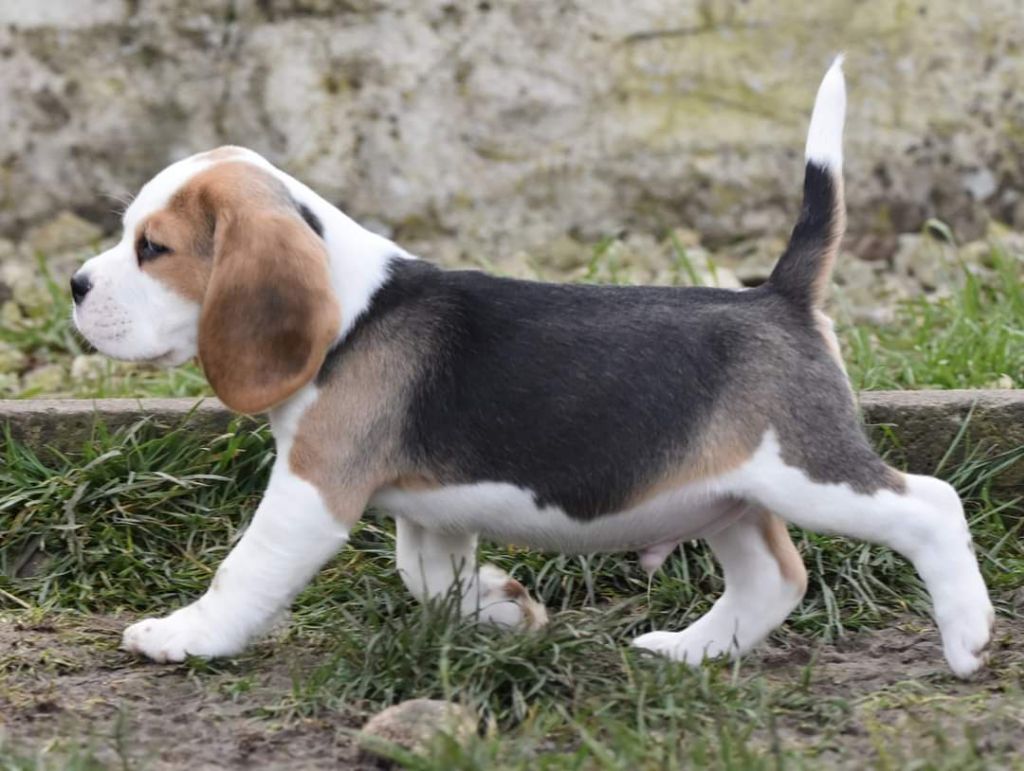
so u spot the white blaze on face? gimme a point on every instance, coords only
(126, 313)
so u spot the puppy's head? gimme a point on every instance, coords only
(217, 260)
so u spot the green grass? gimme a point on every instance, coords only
(140, 520)
(972, 338)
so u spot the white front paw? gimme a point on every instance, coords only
(684, 646)
(183, 633)
(503, 601)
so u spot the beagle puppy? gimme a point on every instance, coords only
(572, 418)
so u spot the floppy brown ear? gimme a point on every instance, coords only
(269, 315)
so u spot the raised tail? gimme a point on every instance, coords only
(802, 273)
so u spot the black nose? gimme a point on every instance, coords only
(80, 286)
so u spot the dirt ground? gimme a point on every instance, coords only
(64, 684)
(65, 679)
(894, 701)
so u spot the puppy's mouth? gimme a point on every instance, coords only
(89, 346)
(168, 358)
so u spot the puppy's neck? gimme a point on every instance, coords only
(359, 262)
(285, 417)
(359, 258)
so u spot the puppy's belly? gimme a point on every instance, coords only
(508, 514)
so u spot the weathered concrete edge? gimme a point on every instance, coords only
(917, 426)
(66, 424)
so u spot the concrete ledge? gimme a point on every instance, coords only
(66, 424)
(917, 427)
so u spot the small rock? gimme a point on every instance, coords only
(21, 283)
(684, 237)
(725, 278)
(977, 253)
(1003, 382)
(11, 359)
(564, 254)
(10, 314)
(46, 379)
(88, 368)
(33, 298)
(63, 233)
(9, 383)
(755, 259)
(981, 184)
(1018, 599)
(414, 724)
(930, 262)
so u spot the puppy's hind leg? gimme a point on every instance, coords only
(764, 580)
(918, 516)
(432, 564)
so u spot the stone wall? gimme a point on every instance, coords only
(498, 125)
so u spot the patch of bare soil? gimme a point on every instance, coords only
(886, 697)
(883, 696)
(64, 681)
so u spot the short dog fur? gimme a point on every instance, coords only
(573, 418)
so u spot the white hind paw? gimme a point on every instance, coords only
(965, 640)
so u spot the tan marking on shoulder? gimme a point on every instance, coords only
(780, 544)
(336, 451)
(350, 437)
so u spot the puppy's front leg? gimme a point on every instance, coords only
(291, 536)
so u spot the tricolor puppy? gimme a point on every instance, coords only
(564, 417)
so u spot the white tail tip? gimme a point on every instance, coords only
(825, 136)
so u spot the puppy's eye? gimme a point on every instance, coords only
(148, 250)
